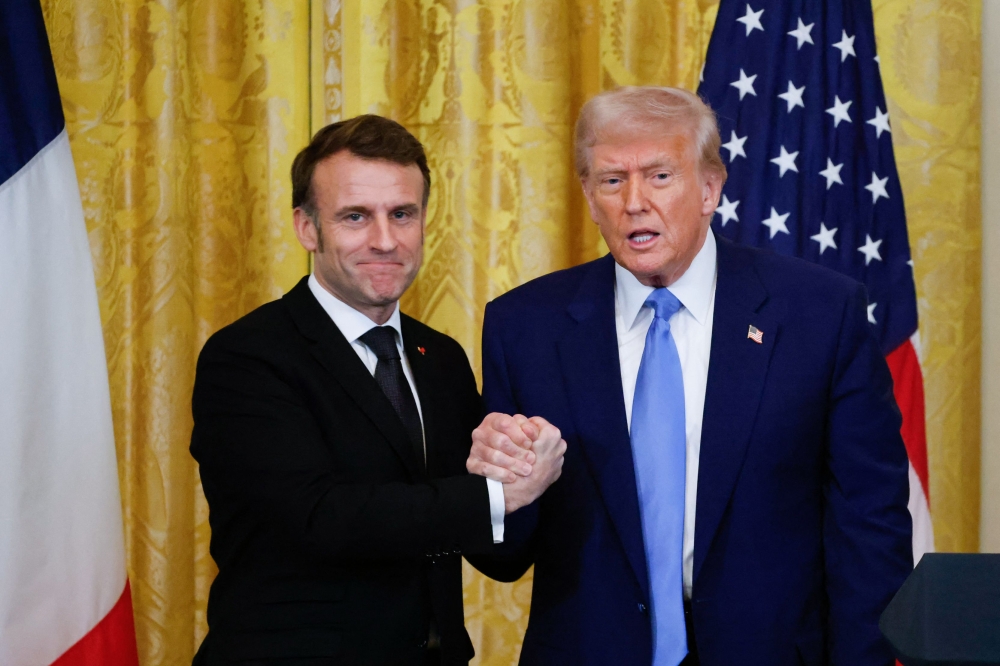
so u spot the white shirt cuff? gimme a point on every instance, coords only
(497, 508)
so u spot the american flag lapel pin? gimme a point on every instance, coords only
(756, 334)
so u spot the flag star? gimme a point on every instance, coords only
(871, 313)
(846, 46)
(793, 96)
(701, 74)
(877, 187)
(880, 122)
(751, 20)
(776, 222)
(870, 249)
(745, 84)
(825, 238)
(801, 33)
(877, 61)
(839, 110)
(832, 173)
(727, 209)
(786, 161)
(735, 146)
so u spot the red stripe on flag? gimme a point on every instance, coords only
(908, 386)
(110, 643)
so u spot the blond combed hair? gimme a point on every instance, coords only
(652, 110)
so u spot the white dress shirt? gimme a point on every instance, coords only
(691, 328)
(353, 325)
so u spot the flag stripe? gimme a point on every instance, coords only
(112, 641)
(62, 559)
(908, 386)
(920, 512)
(30, 110)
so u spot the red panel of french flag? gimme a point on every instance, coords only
(64, 592)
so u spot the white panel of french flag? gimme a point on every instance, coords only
(64, 593)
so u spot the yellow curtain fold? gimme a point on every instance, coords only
(184, 116)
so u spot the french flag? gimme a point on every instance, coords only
(64, 593)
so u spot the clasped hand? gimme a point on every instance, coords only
(525, 454)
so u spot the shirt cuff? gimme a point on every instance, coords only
(497, 508)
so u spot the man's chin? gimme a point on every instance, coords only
(382, 294)
(642, 265)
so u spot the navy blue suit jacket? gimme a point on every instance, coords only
(802, 535)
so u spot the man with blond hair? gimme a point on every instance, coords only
(735, 485)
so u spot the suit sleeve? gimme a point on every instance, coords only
(259, 447)
(517, 550)
(867, 530)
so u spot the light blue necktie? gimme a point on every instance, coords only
(659, 452)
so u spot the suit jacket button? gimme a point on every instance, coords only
(642, 608)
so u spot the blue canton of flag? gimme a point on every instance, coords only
(807, 143)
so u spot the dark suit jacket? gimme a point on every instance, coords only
(333, 545)
(802, 535)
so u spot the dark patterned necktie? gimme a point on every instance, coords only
(390, 377)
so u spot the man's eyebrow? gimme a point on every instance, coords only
(656, 163)
(659, 163)
(347, 210)
(608, 170)
(410, 208)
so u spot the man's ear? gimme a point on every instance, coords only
(711, 193)
(305, 230)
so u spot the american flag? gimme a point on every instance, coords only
(808, 145)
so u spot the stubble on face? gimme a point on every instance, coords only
(651, 201)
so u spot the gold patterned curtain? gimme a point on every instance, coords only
(184, 116)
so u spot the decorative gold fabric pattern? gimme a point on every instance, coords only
(326, 49)
(184, 116)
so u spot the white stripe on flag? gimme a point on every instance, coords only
(62, 556)
(923, 529)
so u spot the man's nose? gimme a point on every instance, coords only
(636, 201)
(382, 238)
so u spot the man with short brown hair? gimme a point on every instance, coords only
(332, 433)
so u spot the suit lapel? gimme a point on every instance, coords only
(591, 370)
(335, 354)
(427, 389)
(736, 373)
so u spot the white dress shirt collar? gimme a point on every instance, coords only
(695, 289)
(352, 324)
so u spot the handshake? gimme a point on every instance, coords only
(525, 454)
